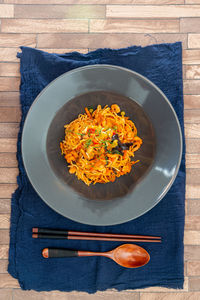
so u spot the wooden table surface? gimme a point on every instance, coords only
(65, 25)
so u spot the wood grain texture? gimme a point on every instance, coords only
(149, 2)
(9, 84)
(6, 281)
(192, 145)
(192, 116)
(17, 40)
(193, 268)
(191, 86)
(192, 252)
(193, 161)
(9, 69)
(9, 54)
(107, 295)
(192, 71)
(65, 50)
(192, 237)
(192, 222)
(10, 114)
(9, 130)
(6, 190)
(192, 1)
(194, 284)
(9, 99)
(190, 25)
(135, 26)
(8, 160)
(60, 11)
(5, 205)
(169, 296)
(172, 11)
(193, 40)
(192, 101)
(4, 236)
(8, 145)
(8, 175)
(94, 41)
(193, 208)
(3, 269)
(4, 221)
(39, 26)
(4, 251)
(191, 57)
(6, 294)
(6, 11)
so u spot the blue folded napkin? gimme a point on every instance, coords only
(162, 64)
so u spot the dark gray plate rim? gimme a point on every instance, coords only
(99, 203)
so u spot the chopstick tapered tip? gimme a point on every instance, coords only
(35, 230)
(35, 235)
(45, 253)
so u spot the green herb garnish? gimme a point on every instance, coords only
(88, 143)
(117, 152)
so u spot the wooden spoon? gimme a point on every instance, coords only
(126, 255)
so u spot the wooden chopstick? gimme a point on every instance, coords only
(92, 238)
(64, 233)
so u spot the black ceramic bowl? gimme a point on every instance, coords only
(130, 195)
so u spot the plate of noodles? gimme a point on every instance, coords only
(107, 150)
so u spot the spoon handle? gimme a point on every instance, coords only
(57, 252)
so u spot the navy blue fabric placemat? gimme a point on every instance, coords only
(162, 64)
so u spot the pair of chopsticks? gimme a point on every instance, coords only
(45, 233)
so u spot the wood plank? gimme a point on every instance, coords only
(3, 269)
(9, 69)
(8, 160)
(194, 208)
(9, 84)
(4, 251)
(192, 223)
(193, 268)
(192, 130)
(6, 294)
(193, 176)
(192, 252)
(8, 145)
(153, 11)
(8, 175)
(135, 26)
(193, 161)
(17, 40)
(9, 130)
(193, 145)
(192, 116)
(169, 296)
(6, 190)
(6, 11)
(8, 54)
(192, 191)
(191, 86)
(193, 40)
(192, 237)
(4, 221)
(42, 25)
(9, 99)
(191, 57)
(186, 1)
(65, 50)
(4, 236)
(99, 40)
(192, 71)
(60, 11)
(7, 281)
(5, 205)
(190, 25)
(192, 101)
(10, 114)
(194, 284)
(157, 2)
